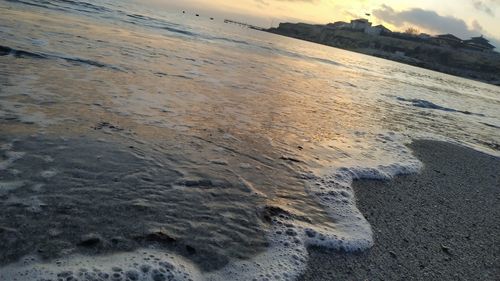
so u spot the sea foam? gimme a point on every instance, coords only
(288, 235)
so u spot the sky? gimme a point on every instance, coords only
(464, 18)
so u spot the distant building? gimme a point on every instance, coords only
(360, 24)
(479, 44)
(377, 30)
(338, 25)
(447, 40)
(424, 36)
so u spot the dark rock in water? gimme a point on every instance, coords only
(90, 240)
(392, 254)
(272, 211)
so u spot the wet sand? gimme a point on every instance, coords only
(443, 224)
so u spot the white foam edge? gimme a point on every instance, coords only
(285, 258)
(141, 264)
(351, 231)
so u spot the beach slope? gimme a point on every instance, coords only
(442, 224)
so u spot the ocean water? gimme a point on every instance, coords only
(139, 144)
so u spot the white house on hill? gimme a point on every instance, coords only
(361, 25)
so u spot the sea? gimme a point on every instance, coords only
(141, 143)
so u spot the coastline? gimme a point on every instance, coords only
(351, 41)
(441, 224)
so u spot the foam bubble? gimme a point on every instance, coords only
(334, 192)
(332, 188)
(285, 258)
(288, 234)
(142, 265)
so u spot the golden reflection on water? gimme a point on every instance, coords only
(219, 104)
(197, 105)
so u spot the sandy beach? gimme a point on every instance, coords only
(441, 224)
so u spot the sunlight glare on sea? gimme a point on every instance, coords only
(203, 150)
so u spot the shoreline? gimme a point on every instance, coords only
(438, 225)
(478, 76)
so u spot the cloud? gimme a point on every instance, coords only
(432, 22)
(484, 7)
(428, 20)
(291, 1)
(476, 26)
(268, 2)
(262, 2)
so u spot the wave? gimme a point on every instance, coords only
(86, 5)
(62, 5)
(6, 51)
(429, 105)
(157, 23)
(304, 57)
(490, 125)
(288, 234)
(230, 40)
(38, 4)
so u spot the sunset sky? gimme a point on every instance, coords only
(463, 18)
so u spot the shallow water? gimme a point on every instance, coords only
(128, 133)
